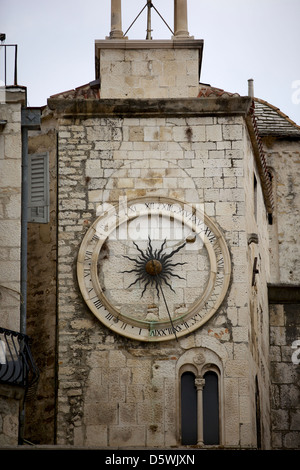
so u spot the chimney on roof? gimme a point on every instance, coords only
(251, 87)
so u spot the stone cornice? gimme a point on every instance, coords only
(180, 107)
(130, 44)
(283, 294)
(15, 94)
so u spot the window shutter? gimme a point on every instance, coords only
(38, 188)
(2, 352)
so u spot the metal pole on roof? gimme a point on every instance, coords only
(251, 87)
(16, 66)
(149, 6)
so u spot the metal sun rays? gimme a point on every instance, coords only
(154, 267)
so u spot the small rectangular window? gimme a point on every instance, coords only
(255, 196)
(38, 188)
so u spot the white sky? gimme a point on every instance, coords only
(243, 39)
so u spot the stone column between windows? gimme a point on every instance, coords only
(199, 383)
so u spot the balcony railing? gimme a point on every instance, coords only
(8, 64)
(17, 366)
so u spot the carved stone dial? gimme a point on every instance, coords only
(153, 269)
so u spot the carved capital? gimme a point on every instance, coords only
(199, 383)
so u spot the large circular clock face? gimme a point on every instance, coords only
(153, 269)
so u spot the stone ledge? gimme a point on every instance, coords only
(144, 108)
(283, 294)
(15, 94)
(153, 44)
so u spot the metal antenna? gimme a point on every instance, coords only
(162, 19)
(135, 19)
(149, 5)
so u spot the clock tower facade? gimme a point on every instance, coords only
(163, 203)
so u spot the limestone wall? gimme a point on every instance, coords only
(10, 207)
(10, 246)
(283, 160)
(162, 70)
(11, 399)
(285, 360)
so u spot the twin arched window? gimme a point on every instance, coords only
(193, 431)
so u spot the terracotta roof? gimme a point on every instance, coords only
(273, 122)
(88, 91)
(206, 91)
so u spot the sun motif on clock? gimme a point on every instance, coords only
(154, 267)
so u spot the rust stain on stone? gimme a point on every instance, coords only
(152, 181)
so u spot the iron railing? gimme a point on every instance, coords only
(9, 64)
(17, 366)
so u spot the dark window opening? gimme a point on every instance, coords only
(270, 215)
(258, 424)
(188, 409)
(211, 409)
(255, 196)
(270, 219)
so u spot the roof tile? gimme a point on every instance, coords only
(273, 122)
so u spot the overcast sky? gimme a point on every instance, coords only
(243, 39)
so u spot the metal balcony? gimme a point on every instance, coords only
(8, 64)
(17, 366)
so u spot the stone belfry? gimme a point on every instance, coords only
(149, 68)
(180, 19)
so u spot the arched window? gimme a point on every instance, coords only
(200, 420)
(258, 423)
(211, 431)
(189, 425)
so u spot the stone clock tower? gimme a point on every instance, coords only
(163, 204)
